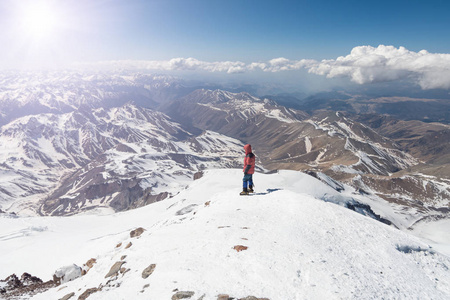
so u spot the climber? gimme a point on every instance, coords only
(249, 169)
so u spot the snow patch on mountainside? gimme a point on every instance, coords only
(373, 156)
(240, 105)
(308, 145)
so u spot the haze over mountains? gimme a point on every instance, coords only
(99, 143)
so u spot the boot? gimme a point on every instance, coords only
(244, 192)
(250, 189)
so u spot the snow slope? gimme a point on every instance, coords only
(298, 246)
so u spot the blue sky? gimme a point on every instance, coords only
(212, 30)
(300, 29)
(260, 30)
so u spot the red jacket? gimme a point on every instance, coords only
(249, 160)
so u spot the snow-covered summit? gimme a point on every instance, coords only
(284, 242)
(217, 109)
(219, 96)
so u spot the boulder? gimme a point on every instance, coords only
(114, 271)
(240, 248)
(198, 175)
(137, 232)
(66, 274)
(28, 279)
(148, 271)
(90, 263)
(182, 295)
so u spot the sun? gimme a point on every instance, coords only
(39, 19)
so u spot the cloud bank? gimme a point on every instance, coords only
(364, 64)
(174, 64)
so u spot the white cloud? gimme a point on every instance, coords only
(174, 64)
(364, 64)
(192, 64)
(281, 64)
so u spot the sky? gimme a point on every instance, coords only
(379, 40)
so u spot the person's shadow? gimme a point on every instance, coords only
(268, 191)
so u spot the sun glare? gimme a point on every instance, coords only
(39, 19)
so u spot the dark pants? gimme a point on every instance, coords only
(248, 180)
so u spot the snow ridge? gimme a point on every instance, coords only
(283, 242)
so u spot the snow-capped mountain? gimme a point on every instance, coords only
(230, 113)
(23, 93)
(286, 136)
(325, 142)
(120, 157)
(282, 243)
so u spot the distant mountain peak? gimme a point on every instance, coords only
(219, 96)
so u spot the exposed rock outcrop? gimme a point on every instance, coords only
(114, 271)
(136, 232)
(87, 293)
(68, 296)
(13, 287)
(148, 271)
(182, 295)
(240, 248)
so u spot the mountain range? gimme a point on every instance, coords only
(97, 144)
(119, 158)
(405, 163)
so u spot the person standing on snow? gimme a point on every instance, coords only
(249, 170)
